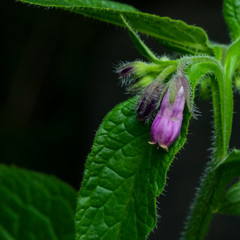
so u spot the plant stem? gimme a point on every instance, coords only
(214, 181)
(203, 207)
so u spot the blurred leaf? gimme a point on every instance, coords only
(232, 61)
(35, 206)
(231, 202)
(174, 34)
(123, 176)
(231, 13)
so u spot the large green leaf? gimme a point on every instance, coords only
(171, 33)
(123, 176)
(231, 12)
(35, 206)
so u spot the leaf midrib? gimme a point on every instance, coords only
(197, 46)
(133, 175)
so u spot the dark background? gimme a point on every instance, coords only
(57, 83)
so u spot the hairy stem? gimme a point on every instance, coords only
(213, 183)
(202, 209)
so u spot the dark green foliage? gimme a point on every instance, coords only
(174, 34)
(231, 13)
(35, 206)
(123, 176)
(231, 203)
(124, 173)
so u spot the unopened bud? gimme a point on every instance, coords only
(149, 100)
(125, 71)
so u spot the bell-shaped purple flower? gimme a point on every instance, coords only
(168, 121)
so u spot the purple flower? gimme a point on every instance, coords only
(168, 121)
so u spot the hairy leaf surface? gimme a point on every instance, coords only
(35, 206)
(174, 34)
(231, 12)
(123, 176)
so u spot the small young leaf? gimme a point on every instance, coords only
(227, 170)
(35, 206)
(174, 34)
(123, 176)
(231, 202)
(231, 13)
(231, 164)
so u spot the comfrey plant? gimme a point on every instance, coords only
(137, 141)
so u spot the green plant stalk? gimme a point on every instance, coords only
(205, 202)
(208, 198)
(204, 205)
(212, 185)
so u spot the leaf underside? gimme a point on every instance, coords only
(123, 176)
(35, 206)
(174, 34)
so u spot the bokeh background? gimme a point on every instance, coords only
(58, 82)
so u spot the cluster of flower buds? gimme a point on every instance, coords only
(173, 95)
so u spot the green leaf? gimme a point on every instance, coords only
(230, 166)
(231, 202)
(142, 48)
(35, 206)
(227, 170)
(231, 13)
(123, 176)
(171, 33)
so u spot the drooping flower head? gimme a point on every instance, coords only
(168, 121)
(151, 82)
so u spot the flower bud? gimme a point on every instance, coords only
(168, 121)
(125, 71)
(149, 100)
